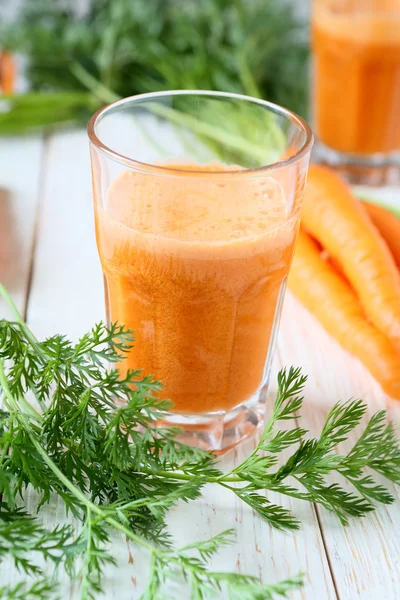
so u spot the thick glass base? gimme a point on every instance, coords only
(361, 169)
(220, 431)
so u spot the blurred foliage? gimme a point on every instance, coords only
(256, 47)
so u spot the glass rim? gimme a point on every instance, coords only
(165, 170)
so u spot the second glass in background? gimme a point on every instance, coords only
(356, 87)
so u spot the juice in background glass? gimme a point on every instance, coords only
(356, 78)
(195, 257)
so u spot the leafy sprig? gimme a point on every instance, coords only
(22, 537)
(42, 588)
(103, 458)
(303, 474)
(94, 443)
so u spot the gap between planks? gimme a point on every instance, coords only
(279, 357)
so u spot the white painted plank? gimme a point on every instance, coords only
(364, 556)
(260, 549)
(274, 555)
(20, 166)
(66, 291)
(20, 169)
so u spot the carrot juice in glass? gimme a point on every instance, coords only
(356, 75)
(197, 199)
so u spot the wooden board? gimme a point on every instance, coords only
(21, 170)
(49, 191)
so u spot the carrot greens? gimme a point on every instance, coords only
(92, 442)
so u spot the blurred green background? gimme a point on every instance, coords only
(79, 55)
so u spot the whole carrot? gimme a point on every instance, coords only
(389, 227)
(7, 72)
(330, 298)
(340, 223)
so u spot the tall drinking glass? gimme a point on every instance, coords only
(356, 87)
(197, 199)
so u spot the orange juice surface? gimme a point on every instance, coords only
(357, 75)
(195, 266)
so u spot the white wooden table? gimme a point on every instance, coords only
(49, 263)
